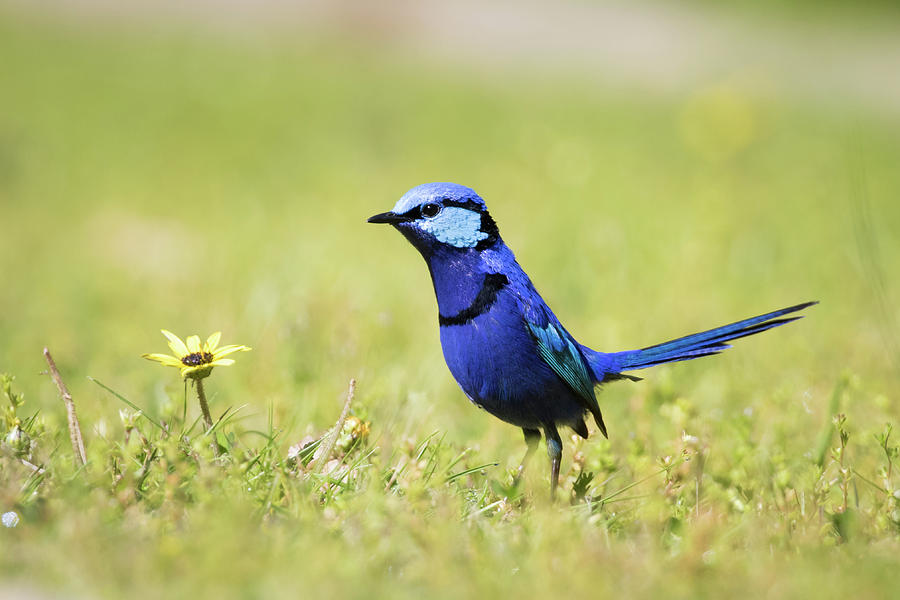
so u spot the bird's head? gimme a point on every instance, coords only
(436, 216)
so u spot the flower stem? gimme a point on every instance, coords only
(204, 406)
(207, 418)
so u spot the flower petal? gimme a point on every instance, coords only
(222, 362)
(169, 361)
(176, 344)
(213, 341)
(193, 344)
(230, 349)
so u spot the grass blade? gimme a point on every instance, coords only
(467, 471)
(128, 402)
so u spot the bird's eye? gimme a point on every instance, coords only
(431, 210)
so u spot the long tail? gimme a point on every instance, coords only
(699, 344)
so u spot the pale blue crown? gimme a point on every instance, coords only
(435, 192)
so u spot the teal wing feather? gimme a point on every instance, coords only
(558, 350)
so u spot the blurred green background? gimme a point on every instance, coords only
(657, 168)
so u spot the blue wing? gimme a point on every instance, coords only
(559, 351)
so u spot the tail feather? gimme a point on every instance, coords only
(705, 343)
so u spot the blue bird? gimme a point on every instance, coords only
(504, 346)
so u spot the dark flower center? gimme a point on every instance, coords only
(196, 359)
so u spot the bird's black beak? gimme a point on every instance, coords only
(387, 217)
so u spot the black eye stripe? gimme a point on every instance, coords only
(467, 204)
(416, 211)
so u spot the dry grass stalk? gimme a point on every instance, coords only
(74, 427)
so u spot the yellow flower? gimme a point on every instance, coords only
(196, 360)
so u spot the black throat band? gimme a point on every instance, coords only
(487, 295)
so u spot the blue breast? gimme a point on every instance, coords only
(492, 354)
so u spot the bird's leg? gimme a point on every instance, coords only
(532, 439)
(554, 451)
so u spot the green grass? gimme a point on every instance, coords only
(197, 182)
